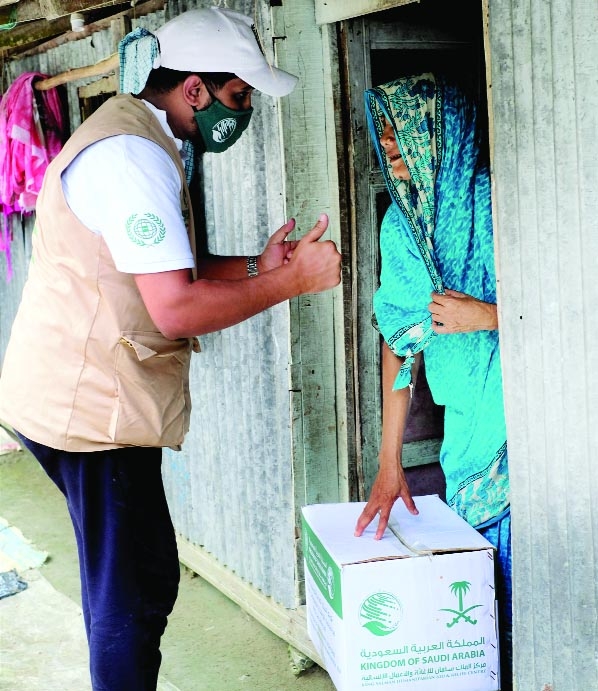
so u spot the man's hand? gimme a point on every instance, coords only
(456, 312)
(279, 250)
(390, 484)
(316, 265)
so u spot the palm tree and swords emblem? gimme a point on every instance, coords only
(459, 589)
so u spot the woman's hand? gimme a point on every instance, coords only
(390, 484)
(456, 312)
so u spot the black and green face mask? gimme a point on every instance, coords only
(220, 126)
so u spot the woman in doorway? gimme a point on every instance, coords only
(437, 296)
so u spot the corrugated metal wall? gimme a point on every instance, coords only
(544, 60)
(231, 490)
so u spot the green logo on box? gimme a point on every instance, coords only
(323, 568)
(459, 589)
(381, 613)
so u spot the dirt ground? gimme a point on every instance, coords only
(210, 643)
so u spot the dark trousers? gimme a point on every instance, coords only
(128, 557)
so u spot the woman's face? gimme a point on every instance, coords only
(391, 148)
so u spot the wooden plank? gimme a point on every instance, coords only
(120, 26)
(328, 11)
(319, 472)
(412, 34)
(421, 452)
(488, 63)
(106, 85)
(318, 376)
(364, 256)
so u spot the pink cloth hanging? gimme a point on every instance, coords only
(29, 140)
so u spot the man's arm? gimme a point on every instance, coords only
(181, 307)
(390, 482)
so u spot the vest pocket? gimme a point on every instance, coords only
(152, 403)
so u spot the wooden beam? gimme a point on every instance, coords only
(30, 10)
(53, 9)
(67, 35)
(26, 10)
(106, 66)
(29, 33)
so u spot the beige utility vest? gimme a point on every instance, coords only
(86, 368)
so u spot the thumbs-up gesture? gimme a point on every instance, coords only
(316, 263)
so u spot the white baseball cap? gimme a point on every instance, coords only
(215, 39)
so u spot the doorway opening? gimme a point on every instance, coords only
(427, 36)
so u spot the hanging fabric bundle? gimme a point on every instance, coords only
(31, 135)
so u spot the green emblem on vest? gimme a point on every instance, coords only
(145, 230)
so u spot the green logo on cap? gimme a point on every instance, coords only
(145, 230)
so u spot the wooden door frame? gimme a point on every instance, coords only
(360, 172)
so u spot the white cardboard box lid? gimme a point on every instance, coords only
(436, 529)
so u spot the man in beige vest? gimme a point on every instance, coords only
(98, 361)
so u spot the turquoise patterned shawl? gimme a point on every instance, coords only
(437, 233)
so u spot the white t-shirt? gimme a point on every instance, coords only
(127, 189)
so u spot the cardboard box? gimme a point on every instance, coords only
(412, 611)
